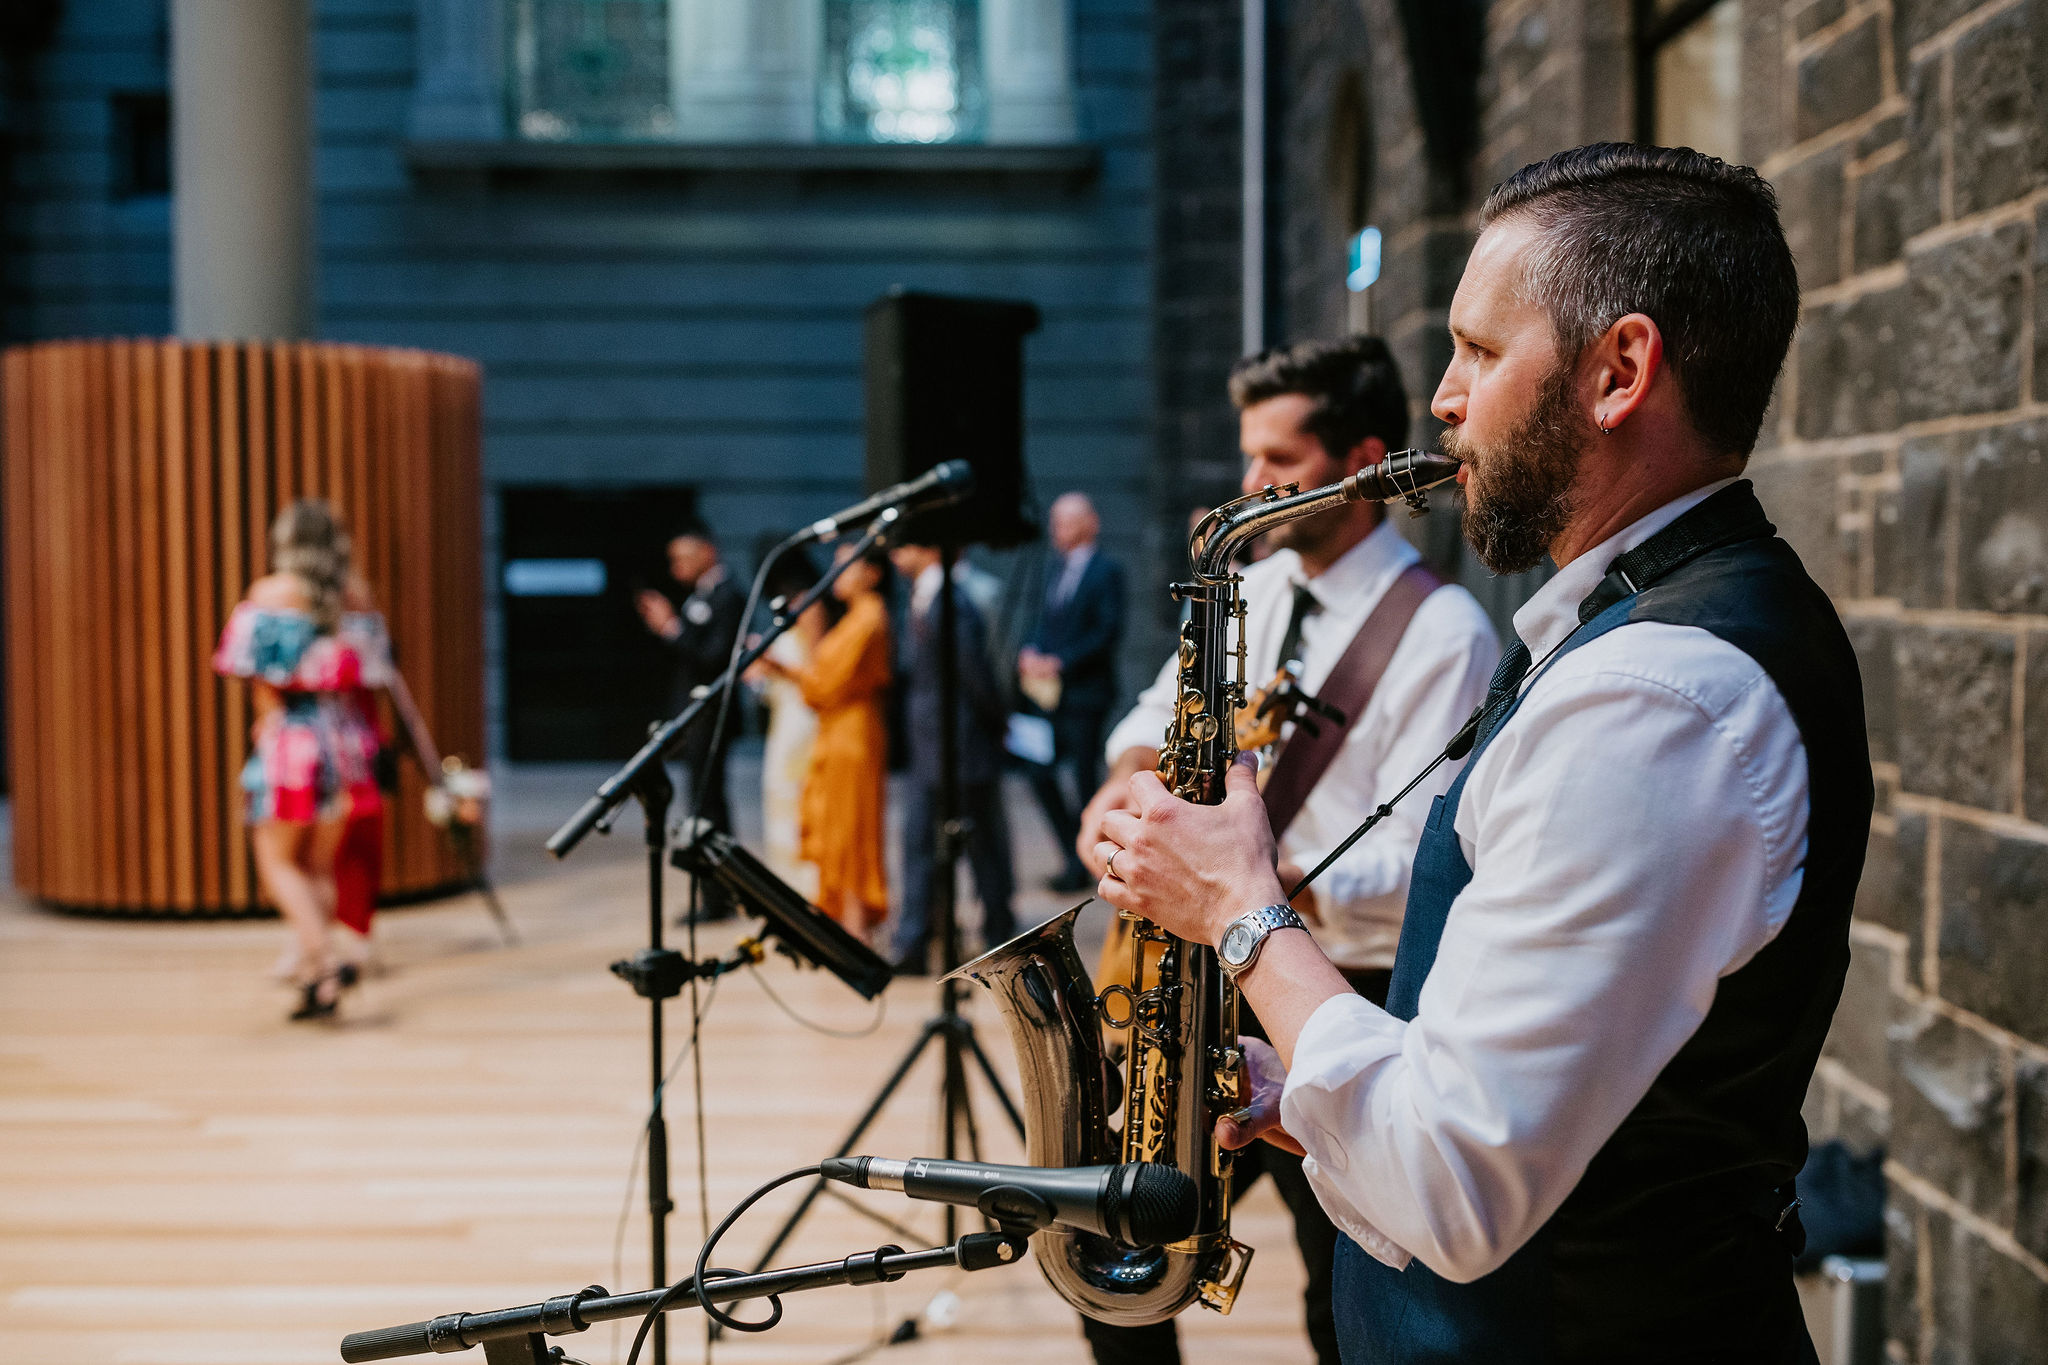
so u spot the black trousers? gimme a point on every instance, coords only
(1314, 1234)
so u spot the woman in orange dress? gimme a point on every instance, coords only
(844, 801)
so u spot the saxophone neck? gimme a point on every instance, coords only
(1406, 475)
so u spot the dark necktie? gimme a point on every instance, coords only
(1305, 604)
(1514, 666)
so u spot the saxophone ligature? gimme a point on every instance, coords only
(1182, 1066)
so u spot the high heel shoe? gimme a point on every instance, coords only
(313, 1004)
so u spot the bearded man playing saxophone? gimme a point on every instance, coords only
(1572, 1133)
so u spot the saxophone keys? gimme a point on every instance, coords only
(1204, 728)
(1226, 1076)
(1226, 1274)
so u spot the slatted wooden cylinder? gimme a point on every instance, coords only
(140, 481)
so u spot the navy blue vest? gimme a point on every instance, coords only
(1667, 1250)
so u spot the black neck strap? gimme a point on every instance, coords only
(1731, 515)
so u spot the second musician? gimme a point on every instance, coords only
(1404, 657)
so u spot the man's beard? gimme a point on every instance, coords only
(1518, 490)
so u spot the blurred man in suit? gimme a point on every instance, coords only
(701, 633)
(979, 719)
(1072, 658)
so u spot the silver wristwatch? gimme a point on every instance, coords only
(1247, 935)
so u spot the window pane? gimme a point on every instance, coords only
(1699, 85)
(901, 71)
(591, 69)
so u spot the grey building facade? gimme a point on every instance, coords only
(669, 308)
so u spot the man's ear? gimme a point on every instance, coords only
(1368, 452)
(1626, 363)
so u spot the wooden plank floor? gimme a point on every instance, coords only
(185, 1179)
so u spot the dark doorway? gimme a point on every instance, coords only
(582, 676)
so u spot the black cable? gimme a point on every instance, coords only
(881, 1010)
(695, 1284)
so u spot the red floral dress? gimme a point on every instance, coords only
(318, 747)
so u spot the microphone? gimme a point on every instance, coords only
(1138, 1204)
(937, 486)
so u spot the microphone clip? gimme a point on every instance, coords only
(987, 1250)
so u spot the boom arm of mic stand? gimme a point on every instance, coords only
(571, 1313)
(613, 791)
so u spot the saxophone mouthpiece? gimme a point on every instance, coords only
(1407, 475)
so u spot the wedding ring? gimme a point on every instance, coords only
(1110, 866)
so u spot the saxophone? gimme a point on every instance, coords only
(1182, 1066)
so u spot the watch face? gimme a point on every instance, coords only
(1237, 944)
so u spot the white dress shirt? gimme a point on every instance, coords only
(1436, 676)
(1637, 831)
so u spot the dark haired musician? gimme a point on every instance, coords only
(1379, 638)
(1572, 1133)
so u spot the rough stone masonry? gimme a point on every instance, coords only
(1906, 458)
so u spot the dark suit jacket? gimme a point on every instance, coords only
(711, 622)
(982, 714)
(1083, 632)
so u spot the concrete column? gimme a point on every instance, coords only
(241, 168)
(1027, 71)
(744, 72)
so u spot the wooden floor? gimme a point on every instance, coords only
(185, 1179)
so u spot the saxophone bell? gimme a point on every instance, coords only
(1182, 1064)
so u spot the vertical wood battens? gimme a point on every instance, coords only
(139, 482)
(16, 395)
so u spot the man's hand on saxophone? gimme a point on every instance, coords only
(1265, 1079)
(1114, 794)
(1193, 869)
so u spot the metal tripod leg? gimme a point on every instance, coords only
(988, 1073)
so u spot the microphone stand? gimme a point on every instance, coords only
(949, 1028)
(657, 972)
(518, 1336)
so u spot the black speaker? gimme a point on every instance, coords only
(945, 381)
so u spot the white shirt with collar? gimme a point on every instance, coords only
(1436, 676)
(1637, 831)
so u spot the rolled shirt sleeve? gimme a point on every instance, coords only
(1639, 830)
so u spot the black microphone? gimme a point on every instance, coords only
(1140, 1204)
(937, 486)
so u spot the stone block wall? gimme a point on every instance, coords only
(1908, 461)
(1906, 457)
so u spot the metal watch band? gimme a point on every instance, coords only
(1263, 921)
